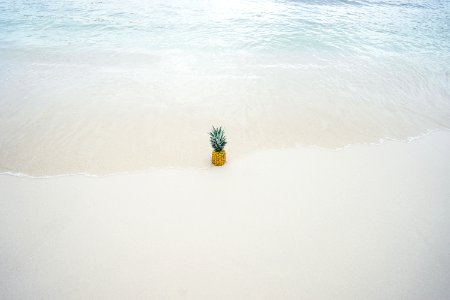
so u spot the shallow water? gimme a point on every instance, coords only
(102, 87)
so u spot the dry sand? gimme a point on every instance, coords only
(366, 222)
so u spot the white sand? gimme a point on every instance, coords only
(367, 222)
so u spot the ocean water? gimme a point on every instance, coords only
(101, 87)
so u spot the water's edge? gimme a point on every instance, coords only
(380, 142)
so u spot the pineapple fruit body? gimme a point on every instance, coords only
(218, 158)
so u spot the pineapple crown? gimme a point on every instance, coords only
(217, 138)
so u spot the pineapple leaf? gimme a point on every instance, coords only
(217, 138)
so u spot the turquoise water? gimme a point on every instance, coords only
(344, 27)
(109, 86)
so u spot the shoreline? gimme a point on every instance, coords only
(380, 142)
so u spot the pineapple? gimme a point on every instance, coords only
(218, 142)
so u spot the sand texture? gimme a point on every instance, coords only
(365, 222)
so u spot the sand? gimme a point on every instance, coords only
(365, 222)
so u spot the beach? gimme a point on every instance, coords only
(363, 222)
(334, 116)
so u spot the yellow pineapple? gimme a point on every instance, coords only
(218, 142)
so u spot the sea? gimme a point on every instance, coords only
(104, 87)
